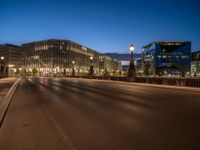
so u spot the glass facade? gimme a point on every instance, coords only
(195, 65)
(54, 58)
(166, 58)
(12, 61)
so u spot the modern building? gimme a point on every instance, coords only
(167, 58)
(62, 57)
(11, 60)
(195, 65)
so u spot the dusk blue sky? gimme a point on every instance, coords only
(104, 25)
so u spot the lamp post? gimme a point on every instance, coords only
(131, 70)
(142, 51)
(91, 71)
(2, 66)
(73, 70)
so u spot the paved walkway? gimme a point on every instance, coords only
(5, 85)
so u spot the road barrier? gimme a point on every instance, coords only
(190, 82)
(6, 101)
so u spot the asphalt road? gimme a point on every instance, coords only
(77, 114)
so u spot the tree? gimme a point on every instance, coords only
(146, 68)
(106, 73)
(17, 71)
(73, 72)
(91, 71)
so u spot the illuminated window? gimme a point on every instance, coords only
(159, 56)
(164, 56)
(36, 57)
(184, 56)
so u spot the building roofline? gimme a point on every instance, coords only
(44, 41)
(172, 41)
(196, 51)
(158, 42)
(9, 44)
(64, 40)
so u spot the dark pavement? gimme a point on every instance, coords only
(77, 114)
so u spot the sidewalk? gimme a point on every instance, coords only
(5, 85)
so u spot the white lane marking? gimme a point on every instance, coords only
(7, 100)
(60, 131)
(65, 139)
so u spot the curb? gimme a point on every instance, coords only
(6, 101)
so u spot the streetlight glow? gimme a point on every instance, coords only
(2, 58)
(131, 47)
(73, 62)
(131, 70)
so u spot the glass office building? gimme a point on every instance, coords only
(195, 65)
(60, 57)
(166, 58)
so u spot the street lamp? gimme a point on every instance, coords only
(131, 70)
(91, 71)
(73, 70)
(142, 52)
(2, 66)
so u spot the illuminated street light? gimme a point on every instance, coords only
(73, 70)
(131, 70)
(2, 68)
(132, 48)
(142, 52)
(91, 71)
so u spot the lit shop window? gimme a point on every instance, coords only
(36, 57)
(43, 47)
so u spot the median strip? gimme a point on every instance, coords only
(6, 101)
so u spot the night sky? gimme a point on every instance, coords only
(104, 25)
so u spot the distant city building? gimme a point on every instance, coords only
(11, 59)
(166, 58)
(108, 65)
(195, 65)
(124, 59)
(63, 57)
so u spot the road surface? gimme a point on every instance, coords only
(81, 114)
